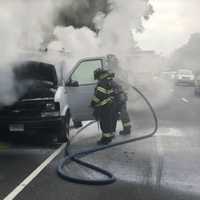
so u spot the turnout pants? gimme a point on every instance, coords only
(108, 119)
(124, 116)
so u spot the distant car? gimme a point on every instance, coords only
(169, 75)
(197, 85)
(184, 77)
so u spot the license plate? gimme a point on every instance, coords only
(16, 127)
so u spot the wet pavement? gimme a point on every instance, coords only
(163, 167)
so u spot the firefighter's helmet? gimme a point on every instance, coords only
(112, 59)
(98, 73)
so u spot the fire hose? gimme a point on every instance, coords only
(76, 157)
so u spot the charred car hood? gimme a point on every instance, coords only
(38, 90)
(35, 80)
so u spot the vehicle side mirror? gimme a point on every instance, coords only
(72, 83)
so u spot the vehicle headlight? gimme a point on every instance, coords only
(51, 106)
(52, 109)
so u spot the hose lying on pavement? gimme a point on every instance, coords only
(76, 156)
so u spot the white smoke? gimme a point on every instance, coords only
(115, 36)
(7, 92)
(115, 31)
(24, 24)
(27, 22)
(85, 29)
(80, 42)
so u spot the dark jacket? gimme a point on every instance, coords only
(103, 94)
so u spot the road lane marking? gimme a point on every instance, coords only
(34, 174)
(185, 100)
(160, 163)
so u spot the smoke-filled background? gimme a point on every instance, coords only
(82, 28)
(187, 56)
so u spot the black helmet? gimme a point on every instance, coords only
(112, 61)
(100, 72)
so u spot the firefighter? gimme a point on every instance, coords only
(104, 104)
(122, 97)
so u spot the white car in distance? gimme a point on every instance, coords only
(184, 77)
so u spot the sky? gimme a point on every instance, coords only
(170, 26)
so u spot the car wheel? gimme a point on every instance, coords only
(63, 134)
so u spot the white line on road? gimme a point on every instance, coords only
(185, 100)
(34, 174)
(159, 168)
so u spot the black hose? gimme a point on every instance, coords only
(76, 157)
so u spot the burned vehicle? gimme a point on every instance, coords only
(41, 104)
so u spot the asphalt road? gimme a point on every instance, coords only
(163, 167)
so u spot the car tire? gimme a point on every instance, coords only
(63, 133)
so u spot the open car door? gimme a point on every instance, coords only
(80, 88)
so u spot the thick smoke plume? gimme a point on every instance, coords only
(187, 56)
(81, 27)
(81, 13)
(100, 27)
(22, 26)
(107, 27)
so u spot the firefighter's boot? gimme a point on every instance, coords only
(106, 139)
(126, 131)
